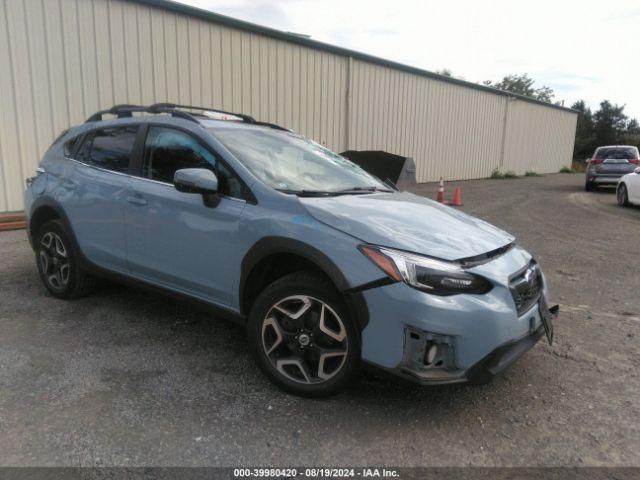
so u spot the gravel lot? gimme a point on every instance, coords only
(127, 378)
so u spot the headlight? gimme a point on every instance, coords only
(437, 277)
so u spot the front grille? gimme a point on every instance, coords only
(526, 287)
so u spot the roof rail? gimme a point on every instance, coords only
(126, 111)
(173, 106)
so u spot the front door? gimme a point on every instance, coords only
(173, 239)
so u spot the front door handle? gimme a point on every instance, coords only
(136, 200)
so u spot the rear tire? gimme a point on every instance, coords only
(59, 262)
(622, 196)
(302, 338)
(589, 186)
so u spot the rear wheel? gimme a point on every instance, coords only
(58, 262)
(622, 196)
(302, 338)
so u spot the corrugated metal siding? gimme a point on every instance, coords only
(538, 138)
(64, 59)
(449, 130)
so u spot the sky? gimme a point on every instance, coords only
(586, 50)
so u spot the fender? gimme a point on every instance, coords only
(49, 202)
(274, 244)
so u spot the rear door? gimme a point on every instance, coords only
(94, 194)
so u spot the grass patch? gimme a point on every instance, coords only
(578, 166)
(498, 173)
(567, 170)
(531, 173)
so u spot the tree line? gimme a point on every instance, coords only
(607, 125)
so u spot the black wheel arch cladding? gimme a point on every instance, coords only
(274, 245)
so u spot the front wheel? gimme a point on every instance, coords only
(622, 196)
(302, 337)
(589, 186)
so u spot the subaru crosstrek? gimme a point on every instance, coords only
(327, 266)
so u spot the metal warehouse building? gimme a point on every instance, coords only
(62, 60)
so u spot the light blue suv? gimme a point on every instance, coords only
(327, 266)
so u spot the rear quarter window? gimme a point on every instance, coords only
(109, 148)
(70, 146)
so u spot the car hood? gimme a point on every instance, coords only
(408, 222)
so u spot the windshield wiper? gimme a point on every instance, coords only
(364, 190)
(334, 193)
(309, 193)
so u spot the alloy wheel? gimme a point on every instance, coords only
(54, 260)
(622, 195)
(304, 339)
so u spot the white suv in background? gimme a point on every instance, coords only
(628, 190)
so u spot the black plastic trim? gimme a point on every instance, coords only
(474, 261)
(216, 310)
(502, 357)
(273, 245)
(381, 282)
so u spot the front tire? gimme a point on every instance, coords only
(302, 337)
(589, 186)
(622, 196)
(59, 263)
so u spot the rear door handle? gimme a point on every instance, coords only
(136, 200)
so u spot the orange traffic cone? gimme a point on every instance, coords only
(457, 198)
(440, 197)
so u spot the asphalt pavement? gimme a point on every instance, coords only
(124, 377)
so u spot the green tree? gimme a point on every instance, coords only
(585, 140)
(632, 134)
(523, 85)
(633, 127)
(610, 123)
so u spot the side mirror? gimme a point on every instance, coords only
(195, 180)
(200, 181)
(637, 170)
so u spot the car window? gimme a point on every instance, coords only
(617, 153)
(167, 150)
(109, 148)
(70, 146)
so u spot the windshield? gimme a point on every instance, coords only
(294, 164)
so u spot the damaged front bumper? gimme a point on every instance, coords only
(430, 359)
(415, 370)
(457, 339)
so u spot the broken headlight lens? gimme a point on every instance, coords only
(430, 275)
